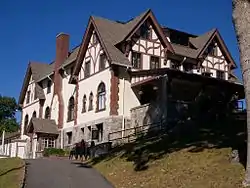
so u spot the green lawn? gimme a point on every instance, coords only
(11, 172)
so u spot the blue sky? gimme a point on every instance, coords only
(28, 28)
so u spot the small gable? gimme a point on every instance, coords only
(217, 50)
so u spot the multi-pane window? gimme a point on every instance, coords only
(48, 142)
(154, 62)
(84, 101)
(28, 97)
(71, 109)
(91, 101)
(102, 62)
(101, 92)
(87, 69)
(220, 74)
(136, 60)
(49, 86)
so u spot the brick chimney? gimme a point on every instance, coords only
(62, 50)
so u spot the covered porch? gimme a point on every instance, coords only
(171, 95)
(43, 134)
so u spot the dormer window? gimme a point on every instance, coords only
(49, 86)
(145, 31)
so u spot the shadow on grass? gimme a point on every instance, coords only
(82, 164)
(192, 136)
(208, 121)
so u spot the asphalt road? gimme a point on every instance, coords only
(55, 173)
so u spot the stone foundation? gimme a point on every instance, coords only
(83, 131)
(145, 115)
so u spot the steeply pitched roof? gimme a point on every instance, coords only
(111, 33)
(201, 41)
(193, 46)
(43, 126)
(185, 51)
(11, 135)
(37, 70)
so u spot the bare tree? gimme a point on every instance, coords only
(241, 20)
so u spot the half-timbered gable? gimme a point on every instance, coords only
(215, 62)
(147, 51)
(95, 59)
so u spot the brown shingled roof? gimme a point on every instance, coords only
(11, 135)
(40, 125)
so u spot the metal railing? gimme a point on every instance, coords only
(138, 131)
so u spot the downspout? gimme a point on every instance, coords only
(123, 109)
(184, 59)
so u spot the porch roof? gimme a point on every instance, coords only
(177, 74)
(39, 125)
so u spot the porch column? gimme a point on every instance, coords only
(164, 96)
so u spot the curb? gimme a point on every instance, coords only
(23, 178)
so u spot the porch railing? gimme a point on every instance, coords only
(135, 132)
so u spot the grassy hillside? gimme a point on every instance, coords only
(11, 172)
(191, 156)
(210, 168)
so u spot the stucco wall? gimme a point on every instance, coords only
(149, 48)
(127, 97)
(90, 85)
(68, 90)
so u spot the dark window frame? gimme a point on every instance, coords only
(49, 83)
(71, 109)
(47, 113)
(102, 62)
(145, 31)
(155, 64)
(69, 137)
(34, 114)
(136, 56)
(28, 97)
(91, 99)
(87, 69)
(220, 74)
(101, 97)
(84, 103)
(26, 122)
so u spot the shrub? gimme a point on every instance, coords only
(53, 151)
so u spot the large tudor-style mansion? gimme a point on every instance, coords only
(122, 75)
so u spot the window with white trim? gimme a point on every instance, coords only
(48, 142)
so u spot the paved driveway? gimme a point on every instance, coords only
(53, 173)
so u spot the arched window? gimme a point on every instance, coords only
(26, 122)
(71, 109)
(34, 114)
(47, 113)
(91, 101)
(101, 92)
(84, 101)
